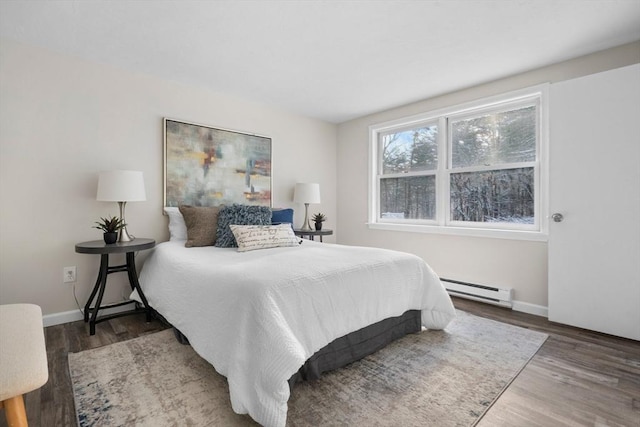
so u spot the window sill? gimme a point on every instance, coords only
(535, 236)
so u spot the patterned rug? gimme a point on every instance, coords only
(438, 378)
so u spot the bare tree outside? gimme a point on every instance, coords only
(494, 196)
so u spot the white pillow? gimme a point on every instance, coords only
(177, 227)
(251, 237)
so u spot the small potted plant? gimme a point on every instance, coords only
(110, 227)
(318, 219)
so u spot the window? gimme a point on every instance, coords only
(474, 169)
(408, 180)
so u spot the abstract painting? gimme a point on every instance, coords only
(206, 166)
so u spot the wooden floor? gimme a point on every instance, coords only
(577, 378)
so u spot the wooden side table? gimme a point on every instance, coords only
(99, 247)
(311, 234)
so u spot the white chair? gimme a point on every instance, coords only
(23, 358)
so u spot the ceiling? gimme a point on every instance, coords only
(332, 60)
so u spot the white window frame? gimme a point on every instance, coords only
(434, 172)
(443, 224)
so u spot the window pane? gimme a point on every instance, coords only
(411, 150)
(493, 196)
(408, 198)
(499, 138)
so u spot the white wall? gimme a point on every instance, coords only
(62, 120)
(519, 264)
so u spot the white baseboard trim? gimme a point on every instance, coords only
(75, 315)
(60, 318)
(525, 307)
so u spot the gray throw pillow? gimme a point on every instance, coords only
(202, 224)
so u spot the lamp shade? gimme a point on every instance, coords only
(121, 186)
(306, 193)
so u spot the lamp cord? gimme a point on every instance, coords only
(76, 299)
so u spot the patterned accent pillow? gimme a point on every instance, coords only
(239, 215)
(202, 223)
(252, 237)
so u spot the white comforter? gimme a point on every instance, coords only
(258, 316)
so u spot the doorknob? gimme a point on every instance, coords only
(557, 217)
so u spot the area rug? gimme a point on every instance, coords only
(437, 378)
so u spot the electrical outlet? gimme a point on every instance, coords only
(69, 274)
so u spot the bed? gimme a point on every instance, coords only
(263, 318)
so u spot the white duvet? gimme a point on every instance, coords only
(258, 316)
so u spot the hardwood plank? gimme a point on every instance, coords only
(577, 378)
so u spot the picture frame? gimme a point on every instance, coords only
(208, 166)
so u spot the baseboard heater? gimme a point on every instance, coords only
(489, 294)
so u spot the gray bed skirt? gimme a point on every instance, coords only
(356, 345)
(351, 347)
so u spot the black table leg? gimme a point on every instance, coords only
(133, 282)
(87, 306)
(102, 277)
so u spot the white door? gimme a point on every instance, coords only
(594, 154)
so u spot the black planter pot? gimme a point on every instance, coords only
(110, 238)
(318, 226)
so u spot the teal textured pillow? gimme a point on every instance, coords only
(239, 215)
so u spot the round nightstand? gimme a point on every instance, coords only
(311, 234)
(99, 247)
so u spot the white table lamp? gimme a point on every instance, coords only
(306, 193)
(122, 187)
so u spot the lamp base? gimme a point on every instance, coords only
(123, 234)
(305, 225)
